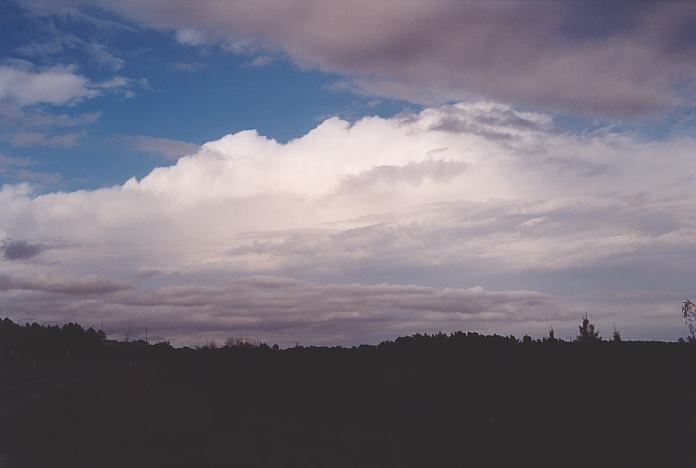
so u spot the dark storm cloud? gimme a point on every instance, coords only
(623, 58)
(21, 250)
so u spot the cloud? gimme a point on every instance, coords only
(21, 250)
(173, 149)
(61, 42)
(17, 169)
(26, 92)
(101, 56)
(18, 117)
(188, 66)
(23, 85)
(50, 86)
(115, 82)
(70, 10)
(285, 311)
(33, 126)
(10, 161)
(450, 198)
(65, 140)
(625, 58)
(190, 37)
(121, 85)
(86, 285)
(413, 174)
(261, 61)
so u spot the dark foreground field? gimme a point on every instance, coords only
(463, 400)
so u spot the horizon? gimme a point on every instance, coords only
(134, 335)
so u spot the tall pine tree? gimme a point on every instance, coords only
(587, 334)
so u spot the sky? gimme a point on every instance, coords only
(328, 172)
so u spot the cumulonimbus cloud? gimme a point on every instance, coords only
(455, 196)
(618, 58)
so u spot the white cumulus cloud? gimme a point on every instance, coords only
(456, 196)
(56, 85)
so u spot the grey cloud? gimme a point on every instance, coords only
(553, 246)
(17, 169)
(25, 139)
(70, 9)
(38, 179)
(457, 126)
(63, 43)
(14, 162)
(100, 55)
(86, 285)
(261, 61)
(18, 117)
(173, 149)
(494, 120)
(412, 174)
(188, 66)
(625, 58)
(21, 250)
(285, 311)
(40, 48)
(501, 125)
(576, 165)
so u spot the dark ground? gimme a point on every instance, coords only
(464, 401)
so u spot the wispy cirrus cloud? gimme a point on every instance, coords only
(19, 117)
(16, 169)
(64, 140)
(59, 43)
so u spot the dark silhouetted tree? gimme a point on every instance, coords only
(616, 336)
(552, 336)
(689, 312)
(587, 334)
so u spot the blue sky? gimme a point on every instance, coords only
(336, 173)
